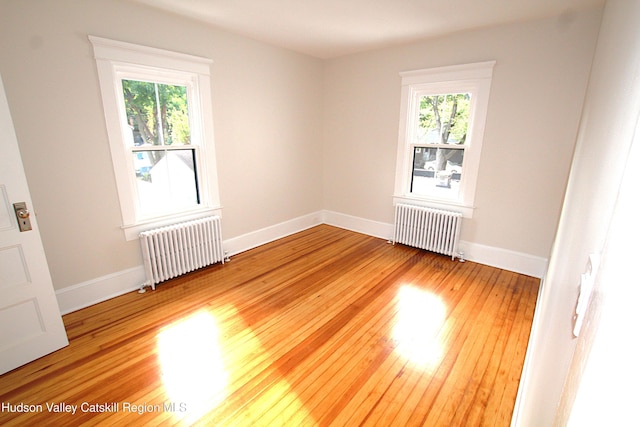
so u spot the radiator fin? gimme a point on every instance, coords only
(435, 230)
(173, 250)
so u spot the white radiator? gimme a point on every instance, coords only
(435, 230)
(177, 249)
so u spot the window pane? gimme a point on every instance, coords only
(157, 114)
(443, 119)
(436, 171)
(166, 180)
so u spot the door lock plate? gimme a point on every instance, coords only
(22, 215)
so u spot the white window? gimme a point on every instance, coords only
(159, 121)
(442, 120)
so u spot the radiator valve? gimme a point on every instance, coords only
(145, 285)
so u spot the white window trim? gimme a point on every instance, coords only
(115, 58)
(474, 78)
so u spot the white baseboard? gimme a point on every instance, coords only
(382, 230)
(265, 235)
(505, 259)
(518, 262)
(100, 289)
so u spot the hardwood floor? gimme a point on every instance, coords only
(324, 327)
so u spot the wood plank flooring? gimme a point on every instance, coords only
(322, 328)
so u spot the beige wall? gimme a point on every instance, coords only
(536, 99)
(607, 132)
(294, 135)
(267, 125)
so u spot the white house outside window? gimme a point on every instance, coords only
(158, 113)
(441, 128)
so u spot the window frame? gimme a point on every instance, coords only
(116, 61)
(472, 78)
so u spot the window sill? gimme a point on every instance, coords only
(131, 231)
(465, 210)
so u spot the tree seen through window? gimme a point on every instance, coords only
(157, 112)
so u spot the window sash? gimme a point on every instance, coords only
(166, 77)
(435, 189)
(155, 113)
(443, 146)
(462, 105)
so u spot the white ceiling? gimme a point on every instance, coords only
(331, 28)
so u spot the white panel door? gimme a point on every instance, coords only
(30, 321)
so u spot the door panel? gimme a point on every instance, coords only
(5, 210)
(13, 267)
(30, 321)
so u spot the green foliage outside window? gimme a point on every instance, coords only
(158, 113)
(443, 119)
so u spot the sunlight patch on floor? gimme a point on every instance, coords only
(193, 370)
(421, 315)
(278, 405)
(199, 368)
